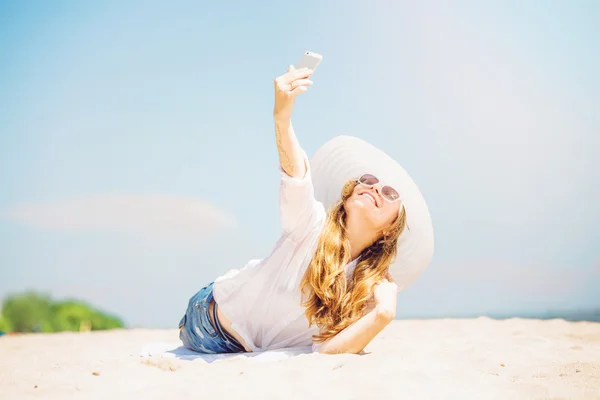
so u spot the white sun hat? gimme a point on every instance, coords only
(346, 157)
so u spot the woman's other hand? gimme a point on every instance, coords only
(354, 338)
(287, 87)
(385, 294)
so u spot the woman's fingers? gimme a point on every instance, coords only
(294, 74)
(294, 82)
(300, 82)
(298, 90)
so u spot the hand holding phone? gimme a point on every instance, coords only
(291, 84)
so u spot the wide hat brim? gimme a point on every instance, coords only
(346, 157)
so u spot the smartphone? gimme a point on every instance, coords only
(309, 60)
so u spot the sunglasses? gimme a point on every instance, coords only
(389, 193)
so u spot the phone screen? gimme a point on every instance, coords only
(309, 60)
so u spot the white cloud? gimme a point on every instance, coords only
(139, 214)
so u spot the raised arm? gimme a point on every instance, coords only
(298, 208)
(287, 87)
(357, 336)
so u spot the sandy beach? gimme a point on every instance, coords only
(416, 359)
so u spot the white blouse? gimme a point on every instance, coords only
(263, 299)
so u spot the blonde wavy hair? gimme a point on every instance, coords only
(330, 302)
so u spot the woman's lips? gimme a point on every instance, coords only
(370, 197)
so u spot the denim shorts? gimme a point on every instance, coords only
(198, 333)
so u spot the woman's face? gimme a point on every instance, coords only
(367, 203)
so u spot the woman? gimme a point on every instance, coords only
(332, 279)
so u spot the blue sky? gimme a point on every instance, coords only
(137, 159)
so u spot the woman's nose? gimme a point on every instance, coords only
(377, 187)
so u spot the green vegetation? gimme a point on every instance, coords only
(35, 312)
